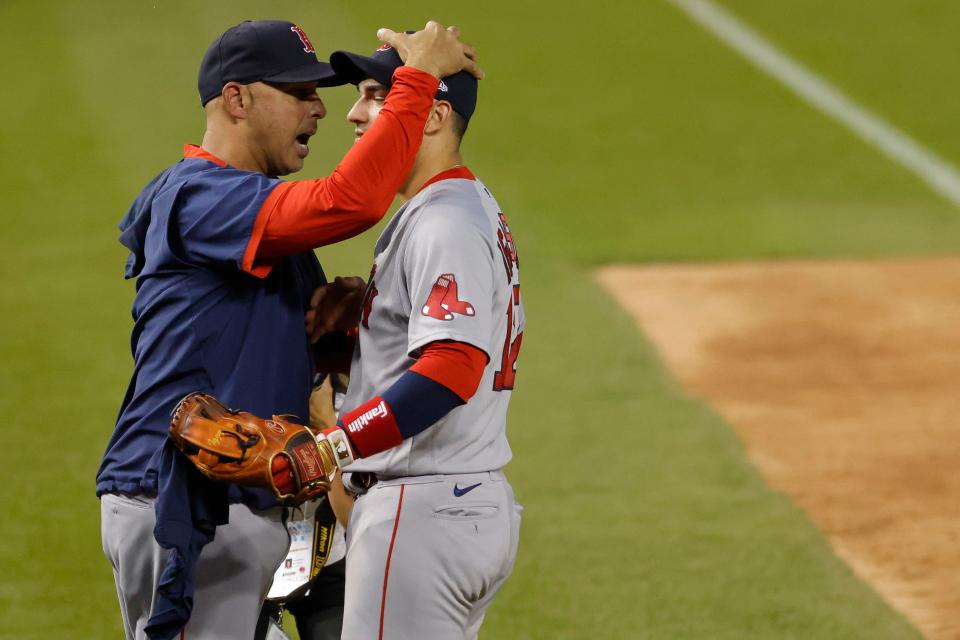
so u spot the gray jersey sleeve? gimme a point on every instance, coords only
(448, 267)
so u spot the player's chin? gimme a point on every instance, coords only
(294, 162)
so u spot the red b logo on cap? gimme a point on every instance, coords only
(307, 45)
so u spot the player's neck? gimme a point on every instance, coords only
(425, 167)
(231, 149)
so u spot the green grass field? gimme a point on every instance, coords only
(617, 131)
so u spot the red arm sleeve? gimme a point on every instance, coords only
(305, 214)
(456, 365)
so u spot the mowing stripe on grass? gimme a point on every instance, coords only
(939, 174)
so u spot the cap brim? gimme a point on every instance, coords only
(319, 72)
(353, 68)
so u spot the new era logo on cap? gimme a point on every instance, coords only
(443, 86)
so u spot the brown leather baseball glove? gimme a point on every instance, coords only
(238, 447)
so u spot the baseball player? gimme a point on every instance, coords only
(222, 253)
(434, 533)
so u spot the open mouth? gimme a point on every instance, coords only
(302, 141)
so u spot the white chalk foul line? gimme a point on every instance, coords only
(939, 174)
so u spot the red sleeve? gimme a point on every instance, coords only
(456, 365)
(305, 214)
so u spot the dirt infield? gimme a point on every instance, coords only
(843, 379)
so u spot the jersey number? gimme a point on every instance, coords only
(504, 377)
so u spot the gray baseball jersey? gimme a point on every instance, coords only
(445, 268)
(434, 540)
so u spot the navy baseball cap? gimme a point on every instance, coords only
(261, 50)
(460, 89)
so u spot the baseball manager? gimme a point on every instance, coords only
(221, 250)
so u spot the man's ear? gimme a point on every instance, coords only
(236, 99)
(439, 117)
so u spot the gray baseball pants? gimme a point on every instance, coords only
(426, 555)
(233, 575)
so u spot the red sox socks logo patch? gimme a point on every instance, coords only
(444, 300)
(307, 45)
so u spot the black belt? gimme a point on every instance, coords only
(360, 482)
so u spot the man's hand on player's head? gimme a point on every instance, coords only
(434, 49)
(335, 306)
